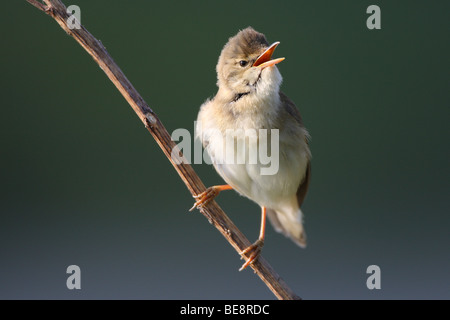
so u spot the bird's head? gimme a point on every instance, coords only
(246, 66)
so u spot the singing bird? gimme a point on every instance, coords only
(249, 97)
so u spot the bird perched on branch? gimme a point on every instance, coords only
(247, 106)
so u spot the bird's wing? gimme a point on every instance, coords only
(291, 108)
(303, 187)
(293, 111)
(293, 228)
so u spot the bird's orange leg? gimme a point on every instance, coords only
(208, 195)
(256, 247)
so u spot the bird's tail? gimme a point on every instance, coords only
(289, 222)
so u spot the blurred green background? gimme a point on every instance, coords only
(82, 181)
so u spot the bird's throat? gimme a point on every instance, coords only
(239, 96)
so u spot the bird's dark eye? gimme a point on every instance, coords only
(243, 63)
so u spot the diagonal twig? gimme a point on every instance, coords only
(211, 211)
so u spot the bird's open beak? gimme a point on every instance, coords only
(263, 61)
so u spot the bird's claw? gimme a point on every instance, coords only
(205, 197)
(255, 250)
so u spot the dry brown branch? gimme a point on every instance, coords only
(211, 211)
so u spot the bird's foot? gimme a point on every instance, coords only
(255, 250)
(206, 196)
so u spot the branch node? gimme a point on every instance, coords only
(149, 120)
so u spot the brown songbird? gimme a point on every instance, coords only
(249, 122)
